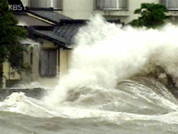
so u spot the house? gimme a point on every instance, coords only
(53, 23)
(49, 45)
(32, 57)
(115, 9)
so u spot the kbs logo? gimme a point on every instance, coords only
(16, 7)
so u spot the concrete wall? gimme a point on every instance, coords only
(25, 2)
(84, 9)
(10, 76)
(9, 73)
(46, 44)
(63, 61)
(35, 65)
(128, 15)
(27, 59)
(78, 9)
(31, 58)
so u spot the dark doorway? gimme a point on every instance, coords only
(48, 63)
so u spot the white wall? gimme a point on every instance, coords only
(25, 2)
(125, 16)
(83, 9)
(63, 61)
(35, 66)
(78, 9)
(46, 44)
(9, 73)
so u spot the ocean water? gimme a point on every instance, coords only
(117, 83)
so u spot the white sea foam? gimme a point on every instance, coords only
(106, 53)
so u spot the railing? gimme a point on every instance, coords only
(112, 4)
(170, 4)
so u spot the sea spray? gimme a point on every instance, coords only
(100, 93)
(106, 53)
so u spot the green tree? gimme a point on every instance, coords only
(10, 34)
(151, 15)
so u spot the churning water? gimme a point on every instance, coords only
(114, 86)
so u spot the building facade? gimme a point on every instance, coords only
(46, 55)
(112, 9)
(51, 21)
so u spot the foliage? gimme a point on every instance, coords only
(10, 35)
(151, 15)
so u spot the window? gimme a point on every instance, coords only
(56, 4)
(48, 63)
(170, 4)
(112, 4)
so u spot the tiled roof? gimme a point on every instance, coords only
(49, 15)
(67, 31)
(51, 36)
(25, 20)
(63, 33)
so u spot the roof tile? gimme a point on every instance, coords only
(49, 15)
